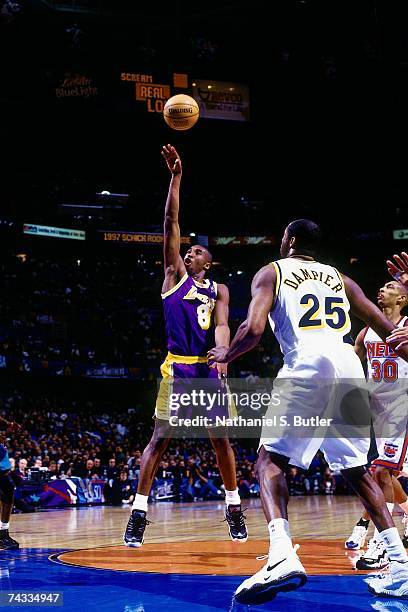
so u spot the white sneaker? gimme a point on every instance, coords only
(279, 574)
(390, 605)
(375, 556)
(393, 584)
(357, 538)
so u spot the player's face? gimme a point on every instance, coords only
(196, 260)
(388, 295)
(284, 248)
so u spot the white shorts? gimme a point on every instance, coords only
(390, 426)
(312, 385)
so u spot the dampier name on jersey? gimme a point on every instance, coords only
(294, 280)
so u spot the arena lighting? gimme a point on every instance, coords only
(192, 234)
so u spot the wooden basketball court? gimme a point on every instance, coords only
(187, 562)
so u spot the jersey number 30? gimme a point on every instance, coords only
(335, 315)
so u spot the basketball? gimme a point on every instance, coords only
(181, 112)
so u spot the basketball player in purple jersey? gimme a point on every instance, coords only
(196, 315)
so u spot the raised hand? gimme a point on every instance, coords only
(399, 268)
(172, 159)
(398, 337)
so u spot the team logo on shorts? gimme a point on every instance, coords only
(390, 450)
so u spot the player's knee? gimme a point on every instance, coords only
(6, 488)
(382, 474)
(220, 444)
(158, 445)
(273, 463)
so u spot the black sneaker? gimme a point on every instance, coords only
(7, 543)
(134, 533)
(236, 523)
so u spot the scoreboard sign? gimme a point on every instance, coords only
(153, 93)
(124, 237)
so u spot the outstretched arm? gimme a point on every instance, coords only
(173, 264)
(250, 331)
(369, 313)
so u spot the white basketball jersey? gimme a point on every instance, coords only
(383, 364)
(311, 309)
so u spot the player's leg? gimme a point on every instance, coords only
(283, 570)
(149, 464)
(226, 464)
(6, 501)
(375, 555)
(396, 582)
(401, 498)
(359, 534)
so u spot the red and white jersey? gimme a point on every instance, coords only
(385, 370)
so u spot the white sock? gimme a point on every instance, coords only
(393, 544)
(390, 506)
(404, 506)
(279, 537)
(376, 534)
(140, 502)
(4, 526)
(232, 497)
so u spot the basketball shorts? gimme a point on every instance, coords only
(330, 386)
(190, 388)
(390, 426)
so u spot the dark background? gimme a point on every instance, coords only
(326, 139)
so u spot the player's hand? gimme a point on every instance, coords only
(399, 268)
(398, 336)
(217, 355)
(172, 159)
(222, 370)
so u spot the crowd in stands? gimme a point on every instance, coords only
(73, 316)
(87, 444)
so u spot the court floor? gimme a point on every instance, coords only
(187, 562)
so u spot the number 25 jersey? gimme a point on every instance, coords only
(311, 309)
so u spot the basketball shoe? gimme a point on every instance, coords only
(405, 536)
(134, 534)
(236, 523)
(392, 584)
(278, 574)
(7, 543)
(375, 556)
(357, 538)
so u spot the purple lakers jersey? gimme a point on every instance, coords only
(188, 314)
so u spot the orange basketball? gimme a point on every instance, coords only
(181, 112)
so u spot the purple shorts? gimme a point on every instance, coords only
(188, 390)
